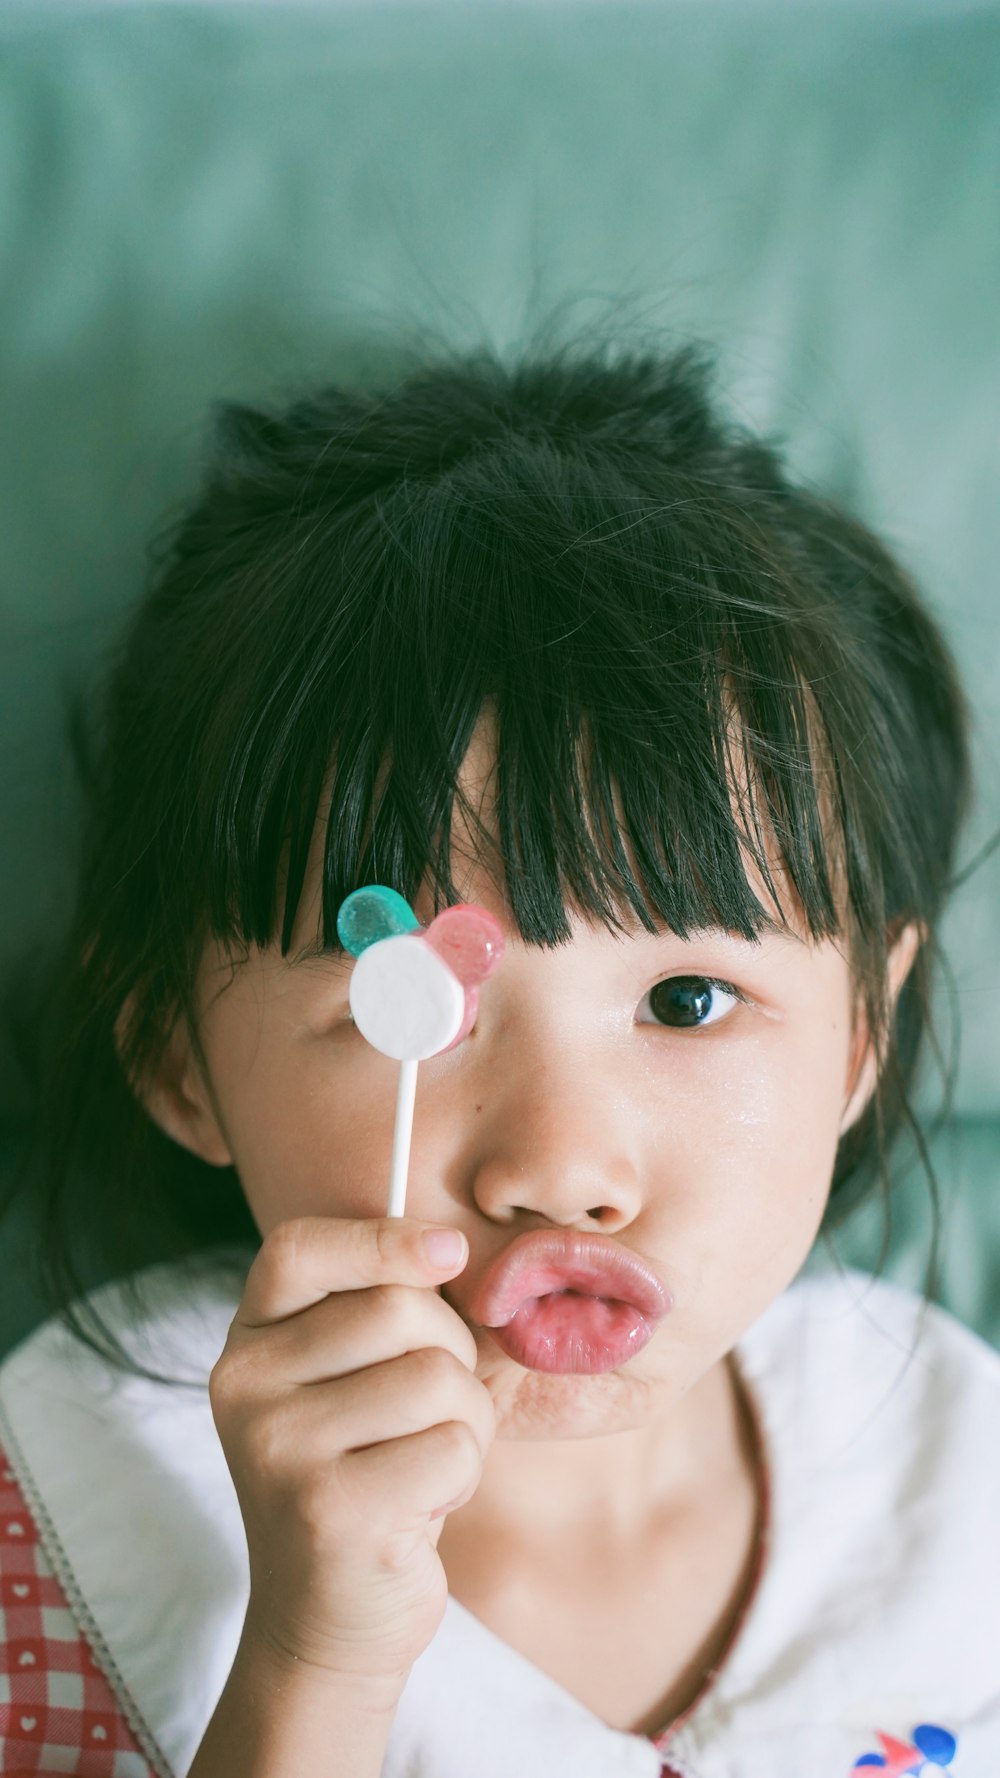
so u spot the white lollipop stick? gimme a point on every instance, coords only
(401, 1136)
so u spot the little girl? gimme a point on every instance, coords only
(291, 1500)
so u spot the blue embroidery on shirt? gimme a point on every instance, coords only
(929, 1754)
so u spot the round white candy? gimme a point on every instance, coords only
(405, 1000)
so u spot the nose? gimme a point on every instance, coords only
(558, 1143)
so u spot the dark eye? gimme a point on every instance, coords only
(683, 1001)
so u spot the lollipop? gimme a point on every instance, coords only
(414, 990)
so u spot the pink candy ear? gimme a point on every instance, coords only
(471, 1009)
(470, 940)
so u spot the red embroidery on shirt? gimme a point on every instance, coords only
(60, 1702)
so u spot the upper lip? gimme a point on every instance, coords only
(577, 1262)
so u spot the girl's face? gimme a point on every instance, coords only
(572, 1103)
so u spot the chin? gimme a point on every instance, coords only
(552, 1405)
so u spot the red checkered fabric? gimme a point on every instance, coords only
(57, 1712)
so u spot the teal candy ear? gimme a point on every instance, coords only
(372, 913)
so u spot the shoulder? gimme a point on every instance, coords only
(857, 1369)
(851, 1311)
(848, 1317)
(170, 1316)
(878, 1603)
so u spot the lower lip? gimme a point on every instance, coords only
(565, 1332)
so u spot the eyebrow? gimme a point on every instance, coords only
(772, 929)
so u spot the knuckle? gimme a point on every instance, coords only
(281, 1246)
(385, 1240)
(327, 1506)
(395, 1310)
(435, 1368)
(458, 1440)
(227, 1381)
(312, 1506)
(232, 1376)
(266, 1444)
(219, 1381)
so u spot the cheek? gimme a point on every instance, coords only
(781, 1113)
(309, 1127)
(759, 1158)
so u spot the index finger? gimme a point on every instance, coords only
(306, 1258)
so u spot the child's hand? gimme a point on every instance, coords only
(348, 1408)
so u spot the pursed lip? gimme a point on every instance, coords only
(553, 1259)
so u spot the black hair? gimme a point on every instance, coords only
(585, 537)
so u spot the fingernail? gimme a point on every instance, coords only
(444, 1247)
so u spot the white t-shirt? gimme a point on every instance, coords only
(871, 1639)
